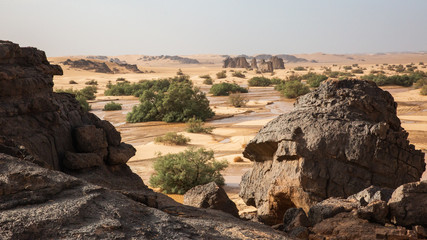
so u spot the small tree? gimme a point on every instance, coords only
(224, 89)
(208, 81)
(238, 100)
(195, 125)
(293, 89)
(172, 138)
(178, 173)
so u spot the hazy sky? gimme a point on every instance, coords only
(178, 27)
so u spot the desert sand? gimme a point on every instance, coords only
(234, 127)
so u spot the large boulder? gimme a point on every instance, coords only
(341, 138)
(210, 196)
(266, 66)
(408, 204)
(237, 62)
(254, 64)
(277, 63)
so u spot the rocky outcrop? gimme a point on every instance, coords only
(178, 59)
(266, 66)
(63, 172)
(277, 63)
(338, 140)
(210, 196)
(237, 62)
(254, 64)
(89, 65)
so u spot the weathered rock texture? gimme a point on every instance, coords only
(237, 62)
(254, 64)
(84, 64)
(266, 66)
(210, 196)
(277, 63)
(63, 172)
(339, 139)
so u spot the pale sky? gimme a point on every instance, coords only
(183, 27)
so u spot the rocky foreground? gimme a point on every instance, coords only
(63, 171)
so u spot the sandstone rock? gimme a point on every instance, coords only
(237, 62)
(277, 63)
(372, 193)
(375, 211)
(90, 139)
(254, 64)
(210, 196)
(293, 218)
(84, 64)
(408, 204)
(120, 154)
(76, 161)
(339, 139)
(266, 66)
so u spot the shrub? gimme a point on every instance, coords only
(205, 76)
(88, 92)
(400, 68)
(259, 81)
(222, 74)
(299, 68)
(112, 106)
(423, 90)
(176, 101)
(293, 89)
(121, 80)
(83, 103)
(136, 89)
(178, 173)
(224, 89)
(195, 125)
(179, 73)
(420, 83)
(92, 82)
(238, 159)
(400, 80)
(72, 82)
(208, 81)
(238, 100)
(347, 67)
(238, 74)
(357, 71)
(332, 74)
(314, 79)
(172, 138)
(421, 63)
(276, 81)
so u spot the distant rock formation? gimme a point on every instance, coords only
(339, 139)
(254, 64)
(210, 196)
(100, 67)
(237, 62)
(277, 63)
(64, 173)
(266, 66)
(182, 60)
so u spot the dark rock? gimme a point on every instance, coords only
(210, 196)
(90, 139)
(75, 161)
(266, 66)
(120, 154)
(373, 193)
(254, 64)
(329, 208)
(408, 204)
(277, 63)
(340, 139)
(375, 211)
(293, 218)
(237, 62)
(113, 136)
(84, 64)
(299, 232)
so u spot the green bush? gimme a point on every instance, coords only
(92, 82)
(276, 81)
(208, 81)
(179, 73)
(177, 102)
(314, 79)
(172, 138)
(299, 68)
(121, 80)
(357, 71)
(224, 89)
(205, 76)
(83, 103)
(178, 173)
(347, 67)
(423, 90)
(238, 100)
(222, 74)
(292, 89)
(400, 80)
(195, 125)
(420, 83)
(112, 106)
(88, 92)
(238, 74)
(136, 89)
(259, 81)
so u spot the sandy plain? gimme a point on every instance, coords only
(234, 127)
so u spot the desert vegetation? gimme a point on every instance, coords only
(292, 89)
(314, 79)
(238, 74)
(259, 82)
(405, 80)
(178, 173)
(222, 74)
(195, 125)
(172, 138)
(112, 106)
(224, 89)
(238, 100)
(87, 93)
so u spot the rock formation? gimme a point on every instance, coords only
(254, 64)
(84, 64)
(339, 139)
(266, 66)
(237, 62)
(277, 63)
(63, 172)
(210, 196)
